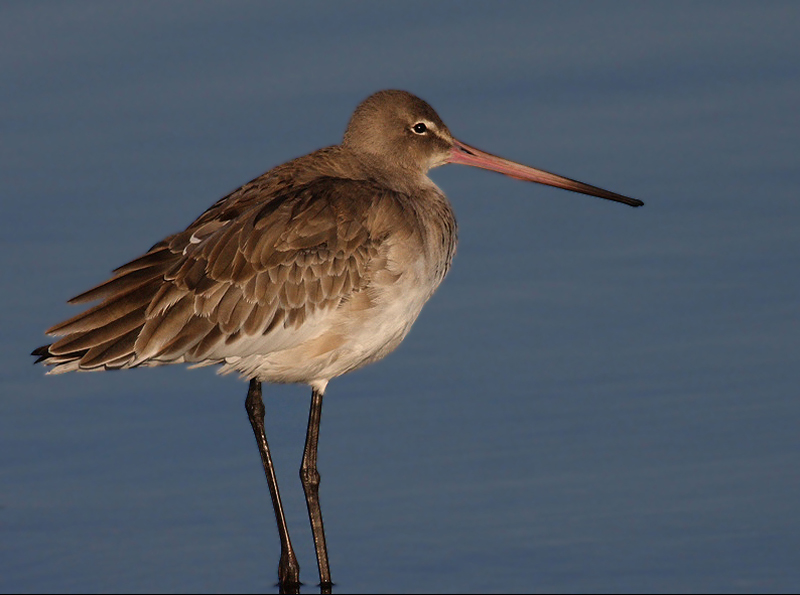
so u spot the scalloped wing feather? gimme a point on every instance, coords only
(253, 270)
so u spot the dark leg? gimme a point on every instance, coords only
(288, 568)
(310, 478)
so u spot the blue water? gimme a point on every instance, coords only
(598, 398)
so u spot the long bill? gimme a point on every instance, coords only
(467, 155)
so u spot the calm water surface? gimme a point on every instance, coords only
(598, 398)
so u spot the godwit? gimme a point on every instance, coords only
(314, 269)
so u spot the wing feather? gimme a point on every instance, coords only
(117, 349)
(192, 333)
(258, 265)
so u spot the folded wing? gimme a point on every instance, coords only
(250, 267)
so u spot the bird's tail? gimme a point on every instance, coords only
(68, 362)
(104, 336)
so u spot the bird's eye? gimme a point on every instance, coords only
(420, 128)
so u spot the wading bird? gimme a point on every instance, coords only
(314, 269)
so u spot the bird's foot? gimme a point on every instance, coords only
(289, 573)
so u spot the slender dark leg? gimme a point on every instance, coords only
(288, 568)
(310, 479)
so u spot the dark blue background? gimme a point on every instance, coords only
(598, 398)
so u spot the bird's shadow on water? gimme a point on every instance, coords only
(296, 589)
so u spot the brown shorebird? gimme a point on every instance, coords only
(314, 269)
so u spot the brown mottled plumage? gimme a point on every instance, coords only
(320, 238)
(311, 270)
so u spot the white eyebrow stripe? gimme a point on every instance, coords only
(430, 126)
